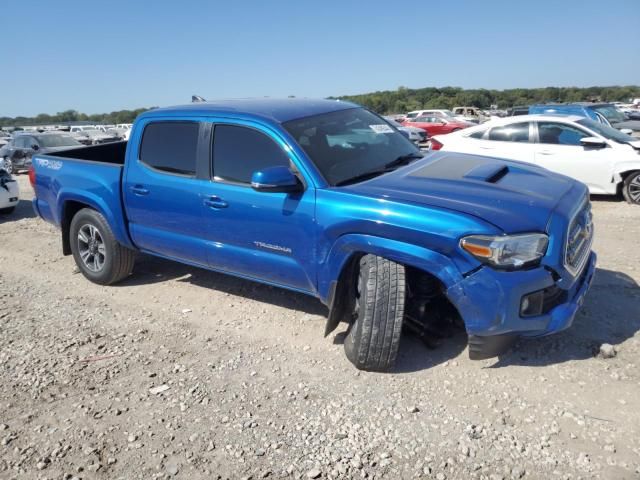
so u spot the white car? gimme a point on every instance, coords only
(9, 193)
(605, 159)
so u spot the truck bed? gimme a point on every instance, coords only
(106, 153)
(90, 176)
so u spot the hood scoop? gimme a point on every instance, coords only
(488, 172)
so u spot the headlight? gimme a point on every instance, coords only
(510, 251)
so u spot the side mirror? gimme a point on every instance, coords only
(593, 142)
(35, 147)
(628, 131)
(275, 179)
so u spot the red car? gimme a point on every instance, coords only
(437, 125)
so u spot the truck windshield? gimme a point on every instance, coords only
(606, 131)
(611, 113)
(348, 144)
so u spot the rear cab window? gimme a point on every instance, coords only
(170, 147)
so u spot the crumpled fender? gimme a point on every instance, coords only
(346, 246)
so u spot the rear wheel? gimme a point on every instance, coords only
(374, 337)
(97, 253)
(631, 188)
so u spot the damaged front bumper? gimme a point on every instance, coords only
(491, 304)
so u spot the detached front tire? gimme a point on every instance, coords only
(374, 337)
(631, 188)
(96, 251)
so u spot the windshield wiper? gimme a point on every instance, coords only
(389, 167)
(404, 160)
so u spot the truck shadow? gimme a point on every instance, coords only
(151, 270)
(24, 209)
(609, 315)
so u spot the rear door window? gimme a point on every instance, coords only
(170, 147)
(240, 151)
(478, 135)
(515, 132)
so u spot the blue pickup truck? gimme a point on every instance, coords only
(326, 198)
(606, 113)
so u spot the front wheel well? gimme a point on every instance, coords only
(69, 211)
(623, 188)
(427, 302)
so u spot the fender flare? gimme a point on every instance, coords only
(332, 271)
(97, 203)
(625, 168)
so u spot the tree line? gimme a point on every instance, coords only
(406, 99)
(121, 116)
(392, 101)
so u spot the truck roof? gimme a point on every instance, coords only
(272, 109)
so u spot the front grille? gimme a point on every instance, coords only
(579, 238)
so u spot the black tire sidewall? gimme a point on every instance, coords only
(625, 188)
(354, 335)
(91, 217)
(373, 339)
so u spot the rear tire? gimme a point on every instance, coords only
(97, 253)
(631, 188)
(374, 337)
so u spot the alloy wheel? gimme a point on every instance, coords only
(91, 248)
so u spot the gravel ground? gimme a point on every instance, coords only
(179, 372)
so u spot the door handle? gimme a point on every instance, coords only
(545, 152)
(215, 202)
(139, 190)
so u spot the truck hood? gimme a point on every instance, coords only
(513, 196)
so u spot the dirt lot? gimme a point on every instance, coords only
(179, 372)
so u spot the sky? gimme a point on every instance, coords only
(98, 57)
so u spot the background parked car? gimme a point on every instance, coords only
(121, 133)
(605, 113)
(517, 110)
(4, 138)
(16, 155)
(433, 112)
(91, 136)
(600, 156)
(416, 135)
(9, 192)
(436, 125)
(470, 114)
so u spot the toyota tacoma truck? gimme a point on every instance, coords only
(328, 199)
